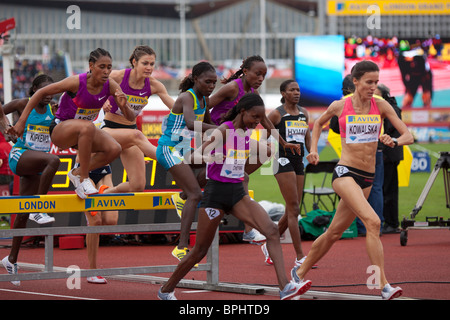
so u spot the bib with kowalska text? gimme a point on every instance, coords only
(362, 128)
(296, 131)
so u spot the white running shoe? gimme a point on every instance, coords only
(298, 263)
(86, 188)
(96, 280)
(11, 268)
(41, 218)
(166, 295)
(74, 179)
(389, 293)
(253, 237)
(293, 289)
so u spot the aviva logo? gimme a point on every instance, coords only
(103, 204)
(363, 119)
(160, 201)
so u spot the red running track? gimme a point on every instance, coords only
(421, 268)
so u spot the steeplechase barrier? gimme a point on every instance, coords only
(101, 202)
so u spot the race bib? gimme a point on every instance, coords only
(38, 138)
(296, 131)
(283, 161)
(362, 128)
(212, 213)
(234, 164)
(340, 170)
(86, 114)
(137, 103)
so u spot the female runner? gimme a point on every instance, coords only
(291, 121)
(138, 84)
(83, 97)
(224, 193)
(30, 160)
(189, 109)
(360, 118)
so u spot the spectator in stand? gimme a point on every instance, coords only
(392, 158)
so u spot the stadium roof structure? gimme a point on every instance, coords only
(156, 8)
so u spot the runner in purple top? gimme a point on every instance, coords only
(82, 99)
(247, 79)
(224, 193)
(138, 84)
(225, 105)
(236, 151)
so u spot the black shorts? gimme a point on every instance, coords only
(362, 178)
(115, 125)
(289, 163)
(53, 125)
(222, 195)
(98, 174)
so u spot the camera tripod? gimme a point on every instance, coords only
(431, 222)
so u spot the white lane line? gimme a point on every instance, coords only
(46, 294)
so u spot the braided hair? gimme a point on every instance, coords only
(97, 54)
(246, 64)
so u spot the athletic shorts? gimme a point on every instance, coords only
(222, 195)
(115, 125)
(14, 157)
(362, 178)
(98, 174)
(288, 164)
(170, 156)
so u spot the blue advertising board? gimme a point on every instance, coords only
(319, 67)
(421, 162)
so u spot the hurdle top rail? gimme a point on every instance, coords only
(100, 202)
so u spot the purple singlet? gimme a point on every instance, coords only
(236, 149)
(222, 108)
(82, 105)
(137, 98)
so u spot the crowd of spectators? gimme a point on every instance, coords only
(386, 50)
(25, 70)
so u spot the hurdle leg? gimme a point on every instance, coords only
(49, 253)
(212, 274)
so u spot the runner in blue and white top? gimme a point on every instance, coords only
(30, 160)
(188, 113)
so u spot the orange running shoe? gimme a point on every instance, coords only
(102, 188)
